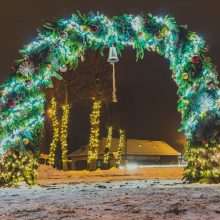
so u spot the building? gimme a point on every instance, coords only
(140, 152)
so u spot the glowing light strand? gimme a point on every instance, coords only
(94, 133)
(108, 145)
(121, 147)
(55, 138)
(64, 135)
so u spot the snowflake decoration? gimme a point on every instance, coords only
(26, 68)
(203, 103)
(137, 23)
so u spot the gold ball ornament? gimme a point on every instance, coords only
(185, 76)
(25, 141)
(49, 67)
(195, 86)
(85, 28)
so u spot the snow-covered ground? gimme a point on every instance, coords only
(114, 194)
(142, 199)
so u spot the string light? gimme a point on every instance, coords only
(108, 145)
(64, 135)
(121, 147)
(19, 167)
(94, 133)
(22, 104)
(55, 138)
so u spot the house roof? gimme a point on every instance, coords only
(134, 147)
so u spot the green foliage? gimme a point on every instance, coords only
(59, 46)
(18, 167)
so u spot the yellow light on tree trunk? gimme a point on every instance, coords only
(64, 135)
(55, 137)
(108, 146)
(94, 133)
(121, 147)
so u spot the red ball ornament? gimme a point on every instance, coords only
(196, 60)
(94, 29)
(11, 103)
(38, 88)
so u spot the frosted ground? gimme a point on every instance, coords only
(102, 196)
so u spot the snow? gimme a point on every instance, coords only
(110, 199)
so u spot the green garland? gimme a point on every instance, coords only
(58, 48)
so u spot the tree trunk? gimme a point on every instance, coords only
(55, 138)
(64, 132)
(94, 135)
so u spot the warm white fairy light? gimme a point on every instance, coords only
(64, 134)
(94, 133)
(55, 137)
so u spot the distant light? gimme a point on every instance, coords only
(130, 166)
(49, 112)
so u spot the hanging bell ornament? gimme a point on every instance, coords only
(113, 56)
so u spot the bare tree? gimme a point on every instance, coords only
(90, 83)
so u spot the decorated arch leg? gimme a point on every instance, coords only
(60, 44)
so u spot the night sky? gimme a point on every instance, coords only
(148, 83)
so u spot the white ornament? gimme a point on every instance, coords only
(26, 68)
(137, 23)
(205, 103)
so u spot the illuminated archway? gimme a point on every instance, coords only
(59, 46)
